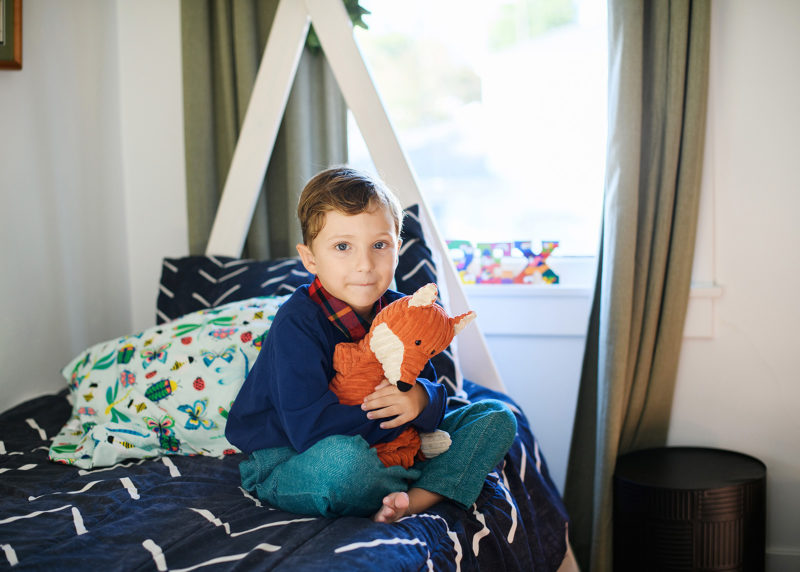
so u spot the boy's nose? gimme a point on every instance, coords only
(364, 262)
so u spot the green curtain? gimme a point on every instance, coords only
(223, 41)
(658, 77)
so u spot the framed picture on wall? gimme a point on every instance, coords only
(11, 34)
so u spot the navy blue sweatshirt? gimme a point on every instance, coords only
(285, 399)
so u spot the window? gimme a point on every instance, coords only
(500, 106)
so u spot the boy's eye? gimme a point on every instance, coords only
(342, 246)
(379, 245)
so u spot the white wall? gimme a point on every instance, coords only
(64, 241)
(91, 181)
(151, 119)
(741, 389)
(537, 336)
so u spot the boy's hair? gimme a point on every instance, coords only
(347, 191)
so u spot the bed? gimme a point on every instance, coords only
(127, 468)
(187, 513)
(170, 501)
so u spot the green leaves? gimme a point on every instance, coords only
(106, 361)
(183, 329)
(356, 13)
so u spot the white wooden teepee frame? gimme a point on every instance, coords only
(260, 128)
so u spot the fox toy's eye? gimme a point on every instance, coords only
(418, 342)
(433, 352)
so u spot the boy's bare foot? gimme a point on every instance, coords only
(394, 507)
(397, 505)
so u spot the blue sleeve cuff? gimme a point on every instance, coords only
(432, 415)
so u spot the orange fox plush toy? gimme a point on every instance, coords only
(403, 337)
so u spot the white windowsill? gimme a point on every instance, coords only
(524, 290)
(559, 310)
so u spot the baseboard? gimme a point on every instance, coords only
(783, 560)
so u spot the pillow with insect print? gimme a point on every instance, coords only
(164, 391)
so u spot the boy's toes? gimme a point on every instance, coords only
(393, 508)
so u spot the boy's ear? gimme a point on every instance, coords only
(307, 258)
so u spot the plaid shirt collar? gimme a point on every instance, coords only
(340, 313)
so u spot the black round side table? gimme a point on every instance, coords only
(689, 508)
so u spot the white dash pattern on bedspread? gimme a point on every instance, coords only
(27, 467)
(161, 562)
(11, 555)
(130, 487)
(476, 540)
(251, 497)
(86, 487)
(452, 535)
(35, 426)
(4, 451)
(210, 517)
(77, 519)
(503, 484)
(379, 542)
(33, 514)
(388, 541)
(173, 470)
(125, 481)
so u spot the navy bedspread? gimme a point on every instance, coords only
(188, 513)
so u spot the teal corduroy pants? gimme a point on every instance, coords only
(342, 475)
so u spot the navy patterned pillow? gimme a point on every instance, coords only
(198, 282)
(415, 269)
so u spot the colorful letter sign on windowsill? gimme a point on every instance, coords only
(502, 262)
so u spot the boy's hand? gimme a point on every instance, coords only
(388, 401)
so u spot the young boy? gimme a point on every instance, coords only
(310, 454)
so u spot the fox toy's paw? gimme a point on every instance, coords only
(435, 443)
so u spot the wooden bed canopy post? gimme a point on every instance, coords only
(260, 128)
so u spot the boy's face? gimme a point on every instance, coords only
(354, 256)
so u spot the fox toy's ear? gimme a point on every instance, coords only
(425, 296)
(461, 321)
